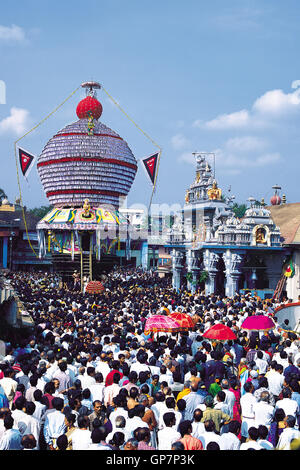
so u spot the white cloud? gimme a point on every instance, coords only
(236, 162)
(17, 122)
(277, 102)
(239, 119)
(12, 33)
(179, 142)
(265, 111)
(187, 157)
(246, 144)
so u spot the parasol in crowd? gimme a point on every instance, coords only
(94, 287)
(219, 332)
(161, 323)
(184, 320)
(258, 323)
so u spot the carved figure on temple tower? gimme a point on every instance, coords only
(214, 193)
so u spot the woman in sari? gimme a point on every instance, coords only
(277, 426)
(235, 388)
(243, 374)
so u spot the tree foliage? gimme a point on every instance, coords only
(239, 210)
(40, 212)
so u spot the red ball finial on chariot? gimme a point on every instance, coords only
(89, 106)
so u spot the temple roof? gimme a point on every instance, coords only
(287, 218)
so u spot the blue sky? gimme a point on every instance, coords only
(218, 76)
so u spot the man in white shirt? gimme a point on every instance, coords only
(247, 402)
(111, 391)
(32, 424)
(102, 366)
(229, 440)
(197, 426)
(97, 389)
(262, 438)
(11, 439)
(261, 363)
(119, 410)
(221, 405)
(136, 421)
(252, 442)
(263, 411)
(119, 425)
(168, 435)
(54, 424)
(288, 434)
(166, 376)
(40, 408)
(209, 434)
(275, 379)
(81, 437)
(289, 406)
(19, 414)
(86, 377)
(9, 385)
(159, 407)
(170, 404)
(140, 365)
(229, 396)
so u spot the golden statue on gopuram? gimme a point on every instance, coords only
(214, 193)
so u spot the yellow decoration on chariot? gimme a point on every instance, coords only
(87, 209)
(91, 125)
(214, 193)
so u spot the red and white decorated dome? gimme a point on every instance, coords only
(86, 160)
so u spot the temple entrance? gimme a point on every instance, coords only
(220, 277)
(85, 242)
(254, 275)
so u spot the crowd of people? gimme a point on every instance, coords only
(88, 377)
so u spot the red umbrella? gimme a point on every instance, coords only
(258, 323)
(163, 323)
(184, 320)
(219, 332)
(94, 287)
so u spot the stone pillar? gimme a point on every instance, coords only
(233, 263)
(177, 266)
(210, 259)
(210, 285)
(193, 268)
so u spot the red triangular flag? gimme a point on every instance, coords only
(150, 164)
(26, 160)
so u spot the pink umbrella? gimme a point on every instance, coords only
(258, 323)
(158, 323)
(184, 320)
(219, 332)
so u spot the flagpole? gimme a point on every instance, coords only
(155, 178)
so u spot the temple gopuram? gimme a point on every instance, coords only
(213, 249)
